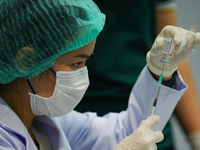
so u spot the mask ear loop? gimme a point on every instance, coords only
(30, 83)
(30, 86)
(53, 71)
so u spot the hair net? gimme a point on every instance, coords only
(34, 33)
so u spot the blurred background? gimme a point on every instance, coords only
(188, 15)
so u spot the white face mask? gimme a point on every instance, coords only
(69, 90)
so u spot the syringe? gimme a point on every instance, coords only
(156, 95)
(166, 52)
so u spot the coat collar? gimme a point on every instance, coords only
(9, 120)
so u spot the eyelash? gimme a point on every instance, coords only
(77, 64)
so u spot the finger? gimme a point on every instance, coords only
(197, 38)
(191, 39)
(179, 48)
(153, 147)
(152, 120)
(159, 43)
(158, 136)
(174, 33)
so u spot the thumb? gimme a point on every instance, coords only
(152, 120)
(158, 136)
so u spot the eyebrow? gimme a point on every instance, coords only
(83, 55)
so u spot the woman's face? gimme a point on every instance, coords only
(44, 83)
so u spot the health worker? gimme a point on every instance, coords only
(44, 45)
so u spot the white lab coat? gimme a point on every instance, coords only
(87, 131)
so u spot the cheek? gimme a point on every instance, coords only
(45, 85)
(48, 86)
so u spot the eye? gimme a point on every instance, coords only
(77, 65)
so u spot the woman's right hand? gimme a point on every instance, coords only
(143, 138)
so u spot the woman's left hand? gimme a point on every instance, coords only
(184, 41)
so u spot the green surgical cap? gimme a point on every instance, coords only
(34, 33)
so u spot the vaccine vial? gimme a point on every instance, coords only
(167, 51)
